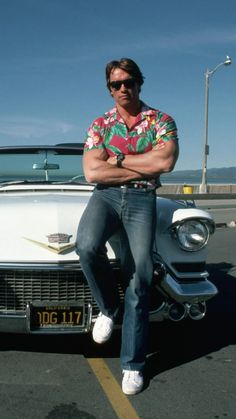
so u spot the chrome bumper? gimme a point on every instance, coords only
(192, 292)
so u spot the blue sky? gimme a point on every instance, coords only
(53, 55)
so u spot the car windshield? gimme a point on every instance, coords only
(49, 164)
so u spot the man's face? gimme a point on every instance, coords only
(124, 94)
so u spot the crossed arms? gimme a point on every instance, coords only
(100, 168)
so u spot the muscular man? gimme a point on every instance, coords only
(125, 152)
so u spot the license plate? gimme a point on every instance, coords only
(57, 316)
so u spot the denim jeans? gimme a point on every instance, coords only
(133, 212)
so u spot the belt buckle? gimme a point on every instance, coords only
(139, 185)
(135, 185)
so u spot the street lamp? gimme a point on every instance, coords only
(208, 73)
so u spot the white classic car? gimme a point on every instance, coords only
(42, 288)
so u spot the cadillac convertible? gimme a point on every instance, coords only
(43, 193)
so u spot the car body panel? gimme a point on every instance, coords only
(29, 221)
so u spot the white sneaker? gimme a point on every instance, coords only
(103, 328)
(132, 382)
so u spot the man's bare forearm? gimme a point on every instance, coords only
(100, 171)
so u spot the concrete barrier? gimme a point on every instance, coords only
(194, 189)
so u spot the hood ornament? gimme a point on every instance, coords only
(56, 243)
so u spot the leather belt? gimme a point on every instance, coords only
(131, 185)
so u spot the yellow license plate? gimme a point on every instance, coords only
(57, 316)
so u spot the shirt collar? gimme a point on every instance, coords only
(145, 111)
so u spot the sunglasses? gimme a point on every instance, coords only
(128, 83)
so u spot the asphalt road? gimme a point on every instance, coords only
(191, 367)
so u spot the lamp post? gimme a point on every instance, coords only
(208, 74)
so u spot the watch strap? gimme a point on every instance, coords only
(119, 159)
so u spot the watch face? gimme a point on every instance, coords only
(120, 157)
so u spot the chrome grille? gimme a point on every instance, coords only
(17, 287)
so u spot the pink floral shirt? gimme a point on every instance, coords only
(151, 129)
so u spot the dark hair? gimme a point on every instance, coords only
(127, 65)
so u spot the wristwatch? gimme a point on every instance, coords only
(119, 158)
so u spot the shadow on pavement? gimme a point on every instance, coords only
(173, 344)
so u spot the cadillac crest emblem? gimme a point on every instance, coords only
(57, 242)
(59, 238)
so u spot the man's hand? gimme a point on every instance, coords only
(112, 160)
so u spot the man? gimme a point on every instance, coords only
(125, 152)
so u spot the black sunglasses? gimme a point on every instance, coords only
(128, 83)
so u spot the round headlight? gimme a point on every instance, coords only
(192, 235)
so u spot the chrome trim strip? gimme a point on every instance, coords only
(48, 266)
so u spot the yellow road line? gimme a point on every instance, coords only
(121, 405)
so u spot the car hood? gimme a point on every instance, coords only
(41, 227)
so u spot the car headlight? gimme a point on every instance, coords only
(192, 235)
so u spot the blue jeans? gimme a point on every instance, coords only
(133, 212)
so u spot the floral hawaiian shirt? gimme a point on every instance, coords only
(151, 129)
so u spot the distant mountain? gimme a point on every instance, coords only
(221, 175)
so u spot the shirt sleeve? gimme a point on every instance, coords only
(95, 135)
(165, 129)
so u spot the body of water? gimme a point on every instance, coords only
(196, 181)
